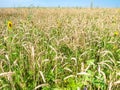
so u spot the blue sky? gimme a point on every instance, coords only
(62, 3)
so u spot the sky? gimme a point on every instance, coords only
(61, 3)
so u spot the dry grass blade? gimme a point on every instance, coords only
(54, 68)
(70, 76)
(110, 86)
(104, 76)
(67, 69)
(104, 63)
(117, 82)
(118, 74)
(82, 67)
(45, 61)
(53, 49)
(107, 53)
(75, 60)
(42, 85)
(32, 53)
(7, 57)
(43, 78)
(87, 67)
(83, 73)
(6, 74)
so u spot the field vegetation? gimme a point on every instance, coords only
(59, 49)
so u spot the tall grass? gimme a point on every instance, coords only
(60, 49)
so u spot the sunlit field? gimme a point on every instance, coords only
(59, 49)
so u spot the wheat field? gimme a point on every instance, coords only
(59, 49)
